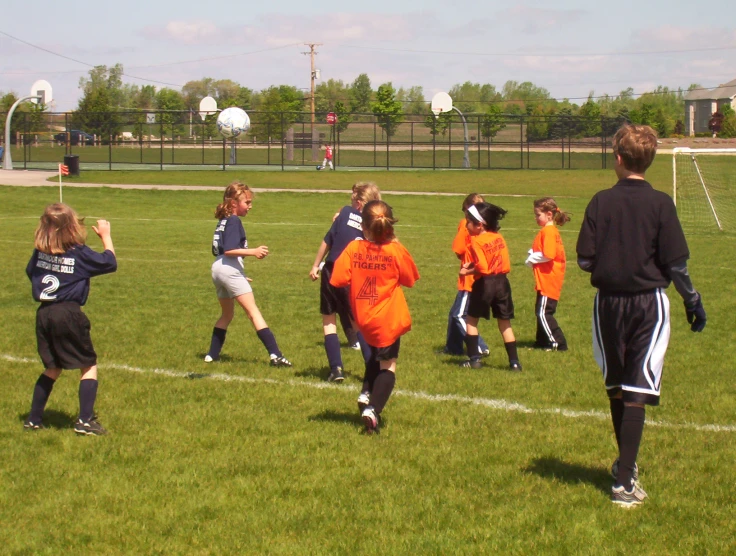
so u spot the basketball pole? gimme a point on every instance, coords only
(7, 159)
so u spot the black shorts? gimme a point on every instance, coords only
(631, 333)
(491, 295)
(63, 338)
(386, 353)
(333, 300)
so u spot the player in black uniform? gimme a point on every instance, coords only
(346, 227)
(632, 243)
(59, 270)
(229, 246)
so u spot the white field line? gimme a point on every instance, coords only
(501, 405)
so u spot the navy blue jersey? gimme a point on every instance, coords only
(345, 228)
(229, 235)
(56, 278)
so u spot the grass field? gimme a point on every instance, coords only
(236, 457)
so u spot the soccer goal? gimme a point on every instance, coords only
(704, 188)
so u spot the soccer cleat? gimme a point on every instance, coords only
(364, 401)
(515, 366)
(336, 375)
(89, 428)
(614, 471)
(472, 363)
(628, 498)
(31, 426)
(208, 358)
(370, 420)
(280, 361)
(485, 352)
(355, 346)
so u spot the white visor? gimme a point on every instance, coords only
(475, 214)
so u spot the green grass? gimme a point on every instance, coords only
(255, 460)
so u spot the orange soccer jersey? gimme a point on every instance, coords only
(489, 253)
(548, 276)
(461, 247)
(375, 273)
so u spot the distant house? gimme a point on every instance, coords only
(702, 103)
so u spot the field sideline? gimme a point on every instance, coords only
(241, 458)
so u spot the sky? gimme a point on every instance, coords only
(569, 47)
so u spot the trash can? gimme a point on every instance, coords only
(71, 161)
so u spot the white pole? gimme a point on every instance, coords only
(7, 159)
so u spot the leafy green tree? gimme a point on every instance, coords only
(591, 114)
(537, 127)
(344, 117)
(16, 126)
(413, 101)
(173, 116)
(492, 122)
(278, 109)
(438, 125)
(472, 98)
(387, 109)
(328, 93)
(728, 128)
(102, 98)
(361, 95)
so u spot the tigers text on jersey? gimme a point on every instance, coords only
(489, 253)
(549, 275)
(65, 277)
(375, 273)
(346, 227)
(229, 235)
(461, 247)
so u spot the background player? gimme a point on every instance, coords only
(632, 243)
(60, 269)
(456, 325)
(491, 293)
(375, 270)
(328, 158)
(547, 260)
(346, 227)
(229, 246)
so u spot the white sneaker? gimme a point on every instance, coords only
(370, 419)
(355, 346)
(364, 401)
(208, 358)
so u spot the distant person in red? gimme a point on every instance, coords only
(328, 158)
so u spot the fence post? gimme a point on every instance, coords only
(521, 141)
(283, 138)
(161, 144)
(109, 154)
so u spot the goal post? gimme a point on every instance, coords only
(704, 188)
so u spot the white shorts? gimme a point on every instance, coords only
(228, 277)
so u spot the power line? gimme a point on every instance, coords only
(83, 63)
(542, 54)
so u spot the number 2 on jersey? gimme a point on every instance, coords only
(369, 291)
(53, 285)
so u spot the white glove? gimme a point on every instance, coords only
(535, 257)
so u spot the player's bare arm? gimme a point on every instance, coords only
(103, 231)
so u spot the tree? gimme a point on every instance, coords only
(173, 117)
(716, 122)
(414, 102)
(537, 127)
(278, 105)
(492, 122)
(591, 112)
(328, 93)
(361, 94)
(387, 109)
(344, 118)
(438, 124)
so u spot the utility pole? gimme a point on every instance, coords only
(314, 75)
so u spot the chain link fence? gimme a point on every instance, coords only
(289, 140)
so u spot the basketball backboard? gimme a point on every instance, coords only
(42, 89)
(441, 102)
(207, 106)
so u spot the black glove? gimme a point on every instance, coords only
(696, 315)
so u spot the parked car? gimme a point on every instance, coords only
(75, 137)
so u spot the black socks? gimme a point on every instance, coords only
(218, 339)
(269, 341)
(87, 397)
(632, 427)
(41, 393)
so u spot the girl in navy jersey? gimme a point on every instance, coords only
(59, 270)
(229, 246)
(346, 226)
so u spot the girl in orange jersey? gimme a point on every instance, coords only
(547, 259)
(456, 326)
(491, 293)
(374, 270)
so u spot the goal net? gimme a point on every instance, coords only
(704, 188)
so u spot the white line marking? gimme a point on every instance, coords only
(437, 398)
